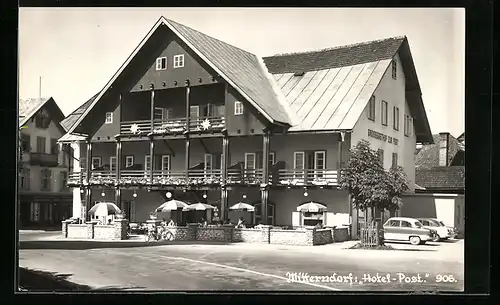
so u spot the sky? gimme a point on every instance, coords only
(76, 51)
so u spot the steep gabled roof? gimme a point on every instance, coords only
(330, 88)
(29, 107)
(71, 119)
(239, 68)
(428, 156)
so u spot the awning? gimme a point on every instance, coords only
(311, 207)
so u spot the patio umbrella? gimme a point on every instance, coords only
(198, 207)
(242, 207)
(171, 205)
(104, 209)
(311, 207)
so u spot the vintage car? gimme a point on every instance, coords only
(443, 232)
(407, 229)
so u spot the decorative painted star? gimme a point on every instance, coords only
(134, 128)
(206, 124)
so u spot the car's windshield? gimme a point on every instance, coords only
(442, 223)
(418, 224)
(434, 223)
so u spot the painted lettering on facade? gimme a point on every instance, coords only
(380, 136)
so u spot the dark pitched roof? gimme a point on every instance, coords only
(29, 107)
(428, 156)
(330, 58)
(373, 55)
(441, 178)
(241, 69)
(71, 119)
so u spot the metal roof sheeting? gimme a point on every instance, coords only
(331, 99)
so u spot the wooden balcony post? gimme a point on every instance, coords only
(186, 160)
(88, 164)
(151, 158)
(152, 104)
(88, 200)
(118, 159)
(188, 125)
(224, 166)
(265, 176)
(118, 197)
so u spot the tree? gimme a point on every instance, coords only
(371, 187)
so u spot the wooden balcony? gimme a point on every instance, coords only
(308, 177)
(41, 159)
(210, 124)
(77, 178)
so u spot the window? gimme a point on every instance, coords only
(208, 162)
(25, 142)
(394, 69)
(109, 118)
(42, 121)
(54, 147)
(165, 162)
(208, 110)
(40, 145)
(272, 158)
(35, 211)
(319, 160)
(179, 61)
(384, 113)
(394, 160)
(395, 118)
(393, 223)
(380, 153)
(249, 160)
(408, 125)
(260, 158)
(405, 223)
(220, 110)
(129, 161)
(194, 111)
(162, 113)
(371, 108)
(64, 181)
(45, 179)
(298, 160)
(24, 179)
(238, 108)
(83, 163)
(112, 164)
(96, 162)
(147, 163)
(161, 63)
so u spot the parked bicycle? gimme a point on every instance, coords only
(158, 234)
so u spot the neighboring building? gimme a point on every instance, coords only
(224, 126)
(440, 175)
(45, 198)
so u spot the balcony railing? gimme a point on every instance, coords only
(41, 159)
(238, 176)
(308, 177)
(173, 126)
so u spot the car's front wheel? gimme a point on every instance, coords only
(436, 237)
(415, 240)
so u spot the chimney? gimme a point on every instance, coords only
(443, 148)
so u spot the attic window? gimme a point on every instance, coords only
(161, 63)
(394, 68)
(298, 73)
(109, 118)
(179, 61)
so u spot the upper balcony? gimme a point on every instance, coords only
(206, 124)
(42, 159)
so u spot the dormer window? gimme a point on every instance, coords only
(179, 61)
(238, 108)
(161, 63)
(109, 118)
(394, 68)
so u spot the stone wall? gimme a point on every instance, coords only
(104, 232)
(291, 237)
(247, 235)
(340, 234)
(322, 236)
(76, 231)
(209, 233)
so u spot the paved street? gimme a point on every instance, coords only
(197, 266)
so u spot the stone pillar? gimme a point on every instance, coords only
(223, 203)
(120, 230)
(65, 228)
(118, 197)
(266, 234)
(90, 229)
(228, 233)
(151, 158)
(192, 231)
(310, 240)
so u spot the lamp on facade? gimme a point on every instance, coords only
(103, 193)
(81, 191)
(169, 195)
(305, 193)
(244, 196)
(205, 195)
(135, 194)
